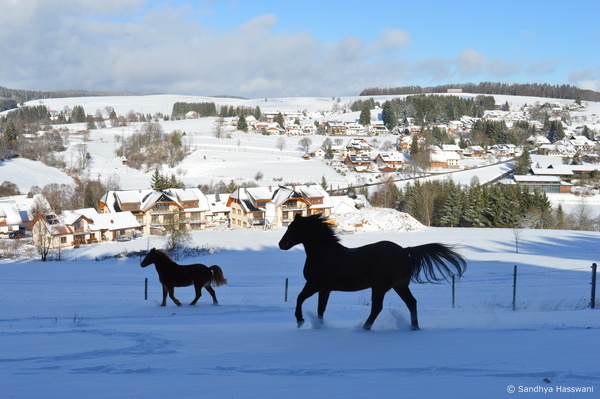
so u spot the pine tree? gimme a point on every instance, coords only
(242, 125)
(157, 180)
(279, 119)
(388, 115)
(365, 115)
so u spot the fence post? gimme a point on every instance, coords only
(146, 289)
(593, 297)
(286, 289)
(453, 297)
(514, 301)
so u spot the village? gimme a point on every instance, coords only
(371, 152)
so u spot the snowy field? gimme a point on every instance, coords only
(82, 328)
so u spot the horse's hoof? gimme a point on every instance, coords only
(300, 323)
(367, 327)
(414, 328)
(321, 319)
(163, 304)
(216, 303)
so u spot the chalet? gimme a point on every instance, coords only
(309, 129)
(437, 158)
(358, 160)
(358, 146)
(392, 158)
(404, 143)
(155, 209)
(474, 151)
(356, 129)
(268, 207)
(17, 211)
(218, 212)
(80, 227)
(452, 159)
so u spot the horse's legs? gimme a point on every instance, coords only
(198, 288)
(171, 290)
(411, 303)
(306, 292)
(323, 298)
(212, 293)
(165, 293)
(377, 295)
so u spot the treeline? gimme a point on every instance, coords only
(428, 108)
(11, 97)
(530, 90)
(180, 109)
(448, 204)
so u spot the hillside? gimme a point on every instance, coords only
(240, 157)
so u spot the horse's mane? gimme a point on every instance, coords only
(163, 254)
(323, 229)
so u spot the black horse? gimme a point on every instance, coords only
(383, 265)
(172, 275)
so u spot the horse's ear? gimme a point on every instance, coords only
(297, 217)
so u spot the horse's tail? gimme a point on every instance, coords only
(217, 276)
(434, 262)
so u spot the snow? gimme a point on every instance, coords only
(242, 156)
(82, 328)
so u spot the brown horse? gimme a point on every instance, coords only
(381, 266)
(172, 275)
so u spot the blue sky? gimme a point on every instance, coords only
(282, 48)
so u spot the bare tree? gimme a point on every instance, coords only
(219, 127)
(280, 143)
(177, 232)
(305, 143)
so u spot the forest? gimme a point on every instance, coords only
(448, 204)
(491, 88)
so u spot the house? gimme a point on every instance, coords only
(17, 211)
(356, 129)
(392, 158)
(475, 151)
(452, 159)
(335, 128)
(218, 210)
(80, 227)
(276, 207)
(358, 146)
(358, 160)
(155, 209)
(437, 158)
(404, 143)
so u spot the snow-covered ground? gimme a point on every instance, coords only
(82, 328)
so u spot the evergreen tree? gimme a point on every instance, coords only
(78, 114)
(242, 125)
(157, 180)
(556, 131)
(280, 120)
(323, 182)
(365, 115)
(523, 163)
(452, 209)
(388, 115)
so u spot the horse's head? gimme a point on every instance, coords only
(149, 259)
(293, 234)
